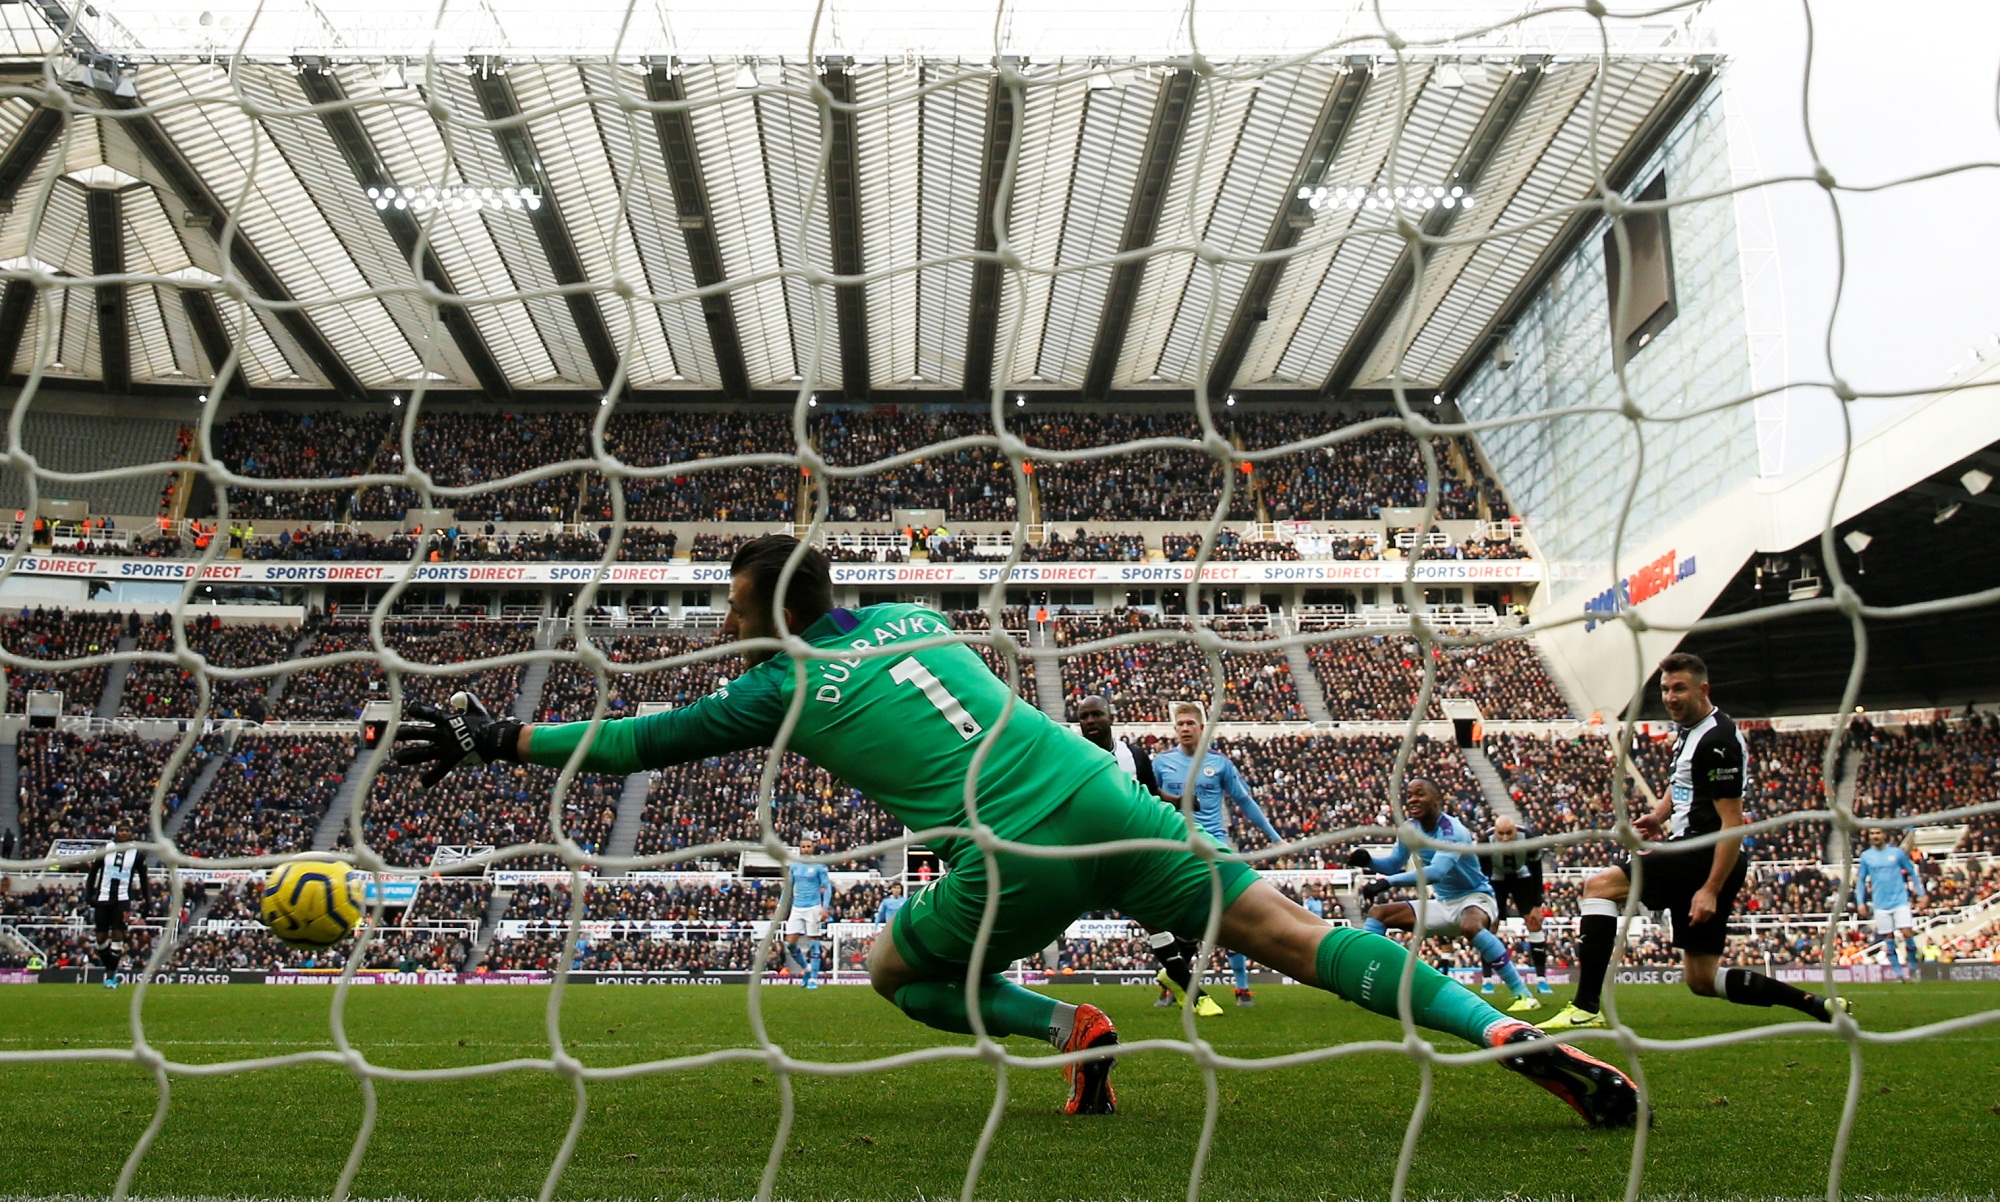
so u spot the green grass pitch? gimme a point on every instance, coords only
(1751, 1121)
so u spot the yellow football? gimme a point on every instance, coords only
(312, 903)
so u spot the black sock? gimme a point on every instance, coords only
(109, 955)
(1747, 988)
(1539, 953)
(1596, 933)
(1177, 957)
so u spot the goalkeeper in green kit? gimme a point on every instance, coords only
(904, 729)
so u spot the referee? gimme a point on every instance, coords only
(116, 883)
(1517, 883)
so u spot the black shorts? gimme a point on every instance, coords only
(1523, 893)
(1672, 878)
(107, 916)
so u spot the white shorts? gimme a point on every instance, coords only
(1894, 918)
(1437, 917)
(809, 921)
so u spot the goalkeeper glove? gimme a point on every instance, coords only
(1360, 857)
(445, 739)
(1375, 888)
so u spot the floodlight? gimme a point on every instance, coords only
(1946, 512)
(1976, 481)
(1857, 540)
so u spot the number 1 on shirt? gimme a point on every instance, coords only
(909, 671)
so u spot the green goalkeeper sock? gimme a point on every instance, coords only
(1367, 969)
(1006, 1008)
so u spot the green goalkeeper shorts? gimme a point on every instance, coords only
(1040, 896)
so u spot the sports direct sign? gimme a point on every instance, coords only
(1440, 571)
(1641, 586)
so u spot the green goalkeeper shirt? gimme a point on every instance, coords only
(902, 729)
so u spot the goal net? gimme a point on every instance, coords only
(1360, 256)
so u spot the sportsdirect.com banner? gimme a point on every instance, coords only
(1445, 571)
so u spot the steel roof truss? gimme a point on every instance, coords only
(517, 146)
(1479, 151)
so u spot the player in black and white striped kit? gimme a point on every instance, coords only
(117, 882)
(1697, 885)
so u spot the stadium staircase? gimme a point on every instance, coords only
(278, 682)
(1304, 679)
(335, 819)
(200, 910)
(1945, 928)
(199, 789)
(528, 702)
(496, 909)
(1491, 787)
(113, 695)
(624, 836)
(10, 791)
(15, 944)
(1048, 674)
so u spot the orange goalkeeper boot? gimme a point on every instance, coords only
(1089, 1081)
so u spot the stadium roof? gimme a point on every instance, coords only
(591, 166)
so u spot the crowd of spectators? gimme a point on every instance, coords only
(1376, 678)
(1142, 680)
(43, 633)
(267, 797)
(1152, 486)
(1229, 546)
(1085, 547)
(737, 494)
(283, 445)
(972, 484)
(339, 691)
(1356, 478)
(162, 690)
(856, 546)
(713, 800)
(716, 548)
(570, 691)
(1924, 769)
(78, 787)
(451, 897)
(1359, 477)
(468, 449)
(1567, 784)
(494, 804)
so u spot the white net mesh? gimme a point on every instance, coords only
(1381, 213)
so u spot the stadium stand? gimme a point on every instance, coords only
(268, 796)
(338, 691)
(283, 445)
(158, 690)
(1377, 677)
(709, 801)
(48, 633)
(1352, 480)
(1143, 680)
(76, 442)
(571, 688)
(82, 787)
(492, 805)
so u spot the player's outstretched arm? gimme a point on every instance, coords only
(745, 714)
(1232, 782)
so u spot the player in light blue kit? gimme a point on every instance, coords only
(1884, 885)
(1462, 898)
(1215, 779)
(812, 889)
(886, 911)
